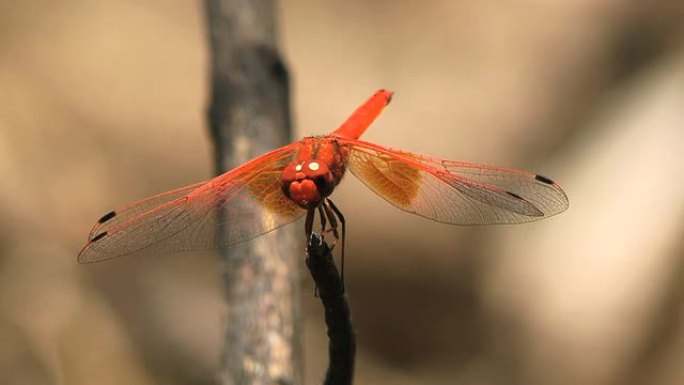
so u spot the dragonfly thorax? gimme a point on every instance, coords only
(307, 182)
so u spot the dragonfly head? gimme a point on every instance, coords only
(307, 182)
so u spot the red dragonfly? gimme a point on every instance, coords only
(280, 186)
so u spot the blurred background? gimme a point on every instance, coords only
(103, 102)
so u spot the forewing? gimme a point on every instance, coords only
(131, 210)
(454, 192)
(236, 206)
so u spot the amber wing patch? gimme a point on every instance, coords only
(265, 188)
(390, 177)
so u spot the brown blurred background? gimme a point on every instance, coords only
(103, 102)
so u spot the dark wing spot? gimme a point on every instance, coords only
(98, 237)
(543, 179)
(531, 210)
(514, 195)
(107, 217)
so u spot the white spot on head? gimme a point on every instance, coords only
(298, 167)
(313, 166)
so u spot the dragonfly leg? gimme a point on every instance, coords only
(308, 228)
(333, 222)
(308, 224)
(324, 222)
(334, 214)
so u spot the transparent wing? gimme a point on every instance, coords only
(130, 210)
(236, 206)
(451, 191)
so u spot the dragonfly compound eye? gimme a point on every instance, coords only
(307, 183)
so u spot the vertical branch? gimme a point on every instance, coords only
(249, 115)
(341, 338)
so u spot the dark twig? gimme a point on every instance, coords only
(249, 115)
(342, 344)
